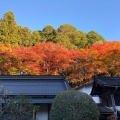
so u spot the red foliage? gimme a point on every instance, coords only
(55, 57)
(50, 59)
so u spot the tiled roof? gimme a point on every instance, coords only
(34, 85)
(108, 81)
(104, 110)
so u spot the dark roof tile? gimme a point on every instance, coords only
(108, 81)
(34, 85)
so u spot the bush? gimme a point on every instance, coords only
(17, 108)
(74, 105)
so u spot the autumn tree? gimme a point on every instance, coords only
(108, 60)
(27, 60)
(48, 58)
(83, 68)
(55, 57)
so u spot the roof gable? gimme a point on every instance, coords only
(105, 85)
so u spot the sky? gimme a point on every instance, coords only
(102, 16)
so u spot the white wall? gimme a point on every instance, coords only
(87, 89)
(118, 108)
(96, 99)
(43, 113)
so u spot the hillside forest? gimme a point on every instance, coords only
(79, 56)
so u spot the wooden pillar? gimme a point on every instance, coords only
(33, 114)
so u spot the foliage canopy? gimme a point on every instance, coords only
(66, 35)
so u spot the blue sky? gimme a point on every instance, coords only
(102, 16)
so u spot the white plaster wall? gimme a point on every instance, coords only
(87, 89)
(96, 99)
(118, 108)
(43, 113)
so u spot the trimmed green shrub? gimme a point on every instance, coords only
(74, 105)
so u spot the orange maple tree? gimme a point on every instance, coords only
(55, 58)
(48, 58)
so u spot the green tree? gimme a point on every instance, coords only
(93, 37)
(19, 34)
(8, 31)
(26, 37)
(66, 28)
(63, 36)
(76, 38)
(79, 39)
(48, 29)
(48, 33)
(17, 108)
(36, 37)
(73, 105)
(64, 40)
